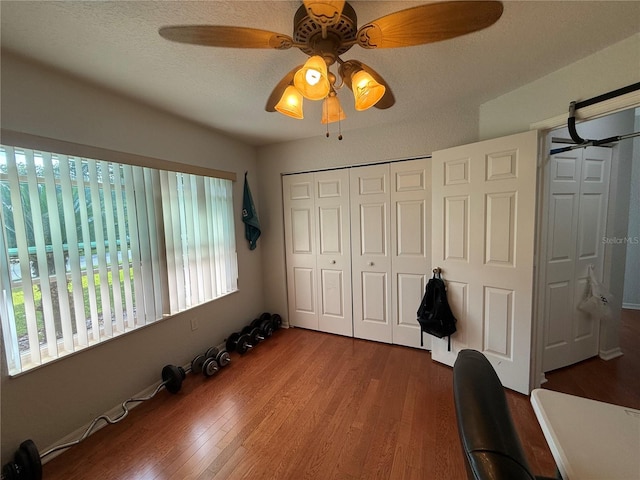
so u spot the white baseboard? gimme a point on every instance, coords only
(610, 354)
(631, 306)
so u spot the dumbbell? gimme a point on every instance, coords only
(276, 321)
(172, 378)
(27, 461)
(238, 342)
(255, 335)
(210, 362)
(264, 324)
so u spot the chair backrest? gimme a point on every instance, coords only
(489, 440)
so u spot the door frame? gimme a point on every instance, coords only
(601, 109)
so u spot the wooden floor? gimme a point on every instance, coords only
(308, 405)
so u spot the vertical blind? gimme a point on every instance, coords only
(91, 249)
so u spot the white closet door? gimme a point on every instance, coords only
(592, 228)
(483, 239)
(371, 253)
(300, 235)
(410, 247)
(333, 260)
(578, 190)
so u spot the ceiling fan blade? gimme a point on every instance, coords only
(350, 66)
(224, 36)
(324, 12)
(279, 89)
(429, 23)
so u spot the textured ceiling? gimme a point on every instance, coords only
(116, 44)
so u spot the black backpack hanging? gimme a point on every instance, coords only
(434, 315)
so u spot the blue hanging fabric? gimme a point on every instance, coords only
(250, 216)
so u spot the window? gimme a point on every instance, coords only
(91, 249)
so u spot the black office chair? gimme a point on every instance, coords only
(490, 443)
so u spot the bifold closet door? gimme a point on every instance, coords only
(300, 238)
(371, 253)
(316, 207)
(410, 247)
(333, 260)
(578, 192)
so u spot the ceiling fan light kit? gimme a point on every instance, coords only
(290, 103)
(366, 91)
(332, 110)
(312, 79)
(324, 30)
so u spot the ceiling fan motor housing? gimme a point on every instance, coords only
(338, 39)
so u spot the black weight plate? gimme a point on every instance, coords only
(10, 471)
(183, 373)
(246, 330)
(255, 336)
(265, 316)
(196, 363)
(172, 377)
(266, 327)
(212, 352)
(210, 367)
(244, 344)
(223, 358)
(28, 460)
(232, 342)
(255, 323)
(276, 321)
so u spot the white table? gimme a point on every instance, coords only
(589, 439)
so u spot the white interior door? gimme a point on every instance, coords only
(371, 253)
(410, 247)
(577, 198)
(334, 252)
(300, 236)
(483, 218)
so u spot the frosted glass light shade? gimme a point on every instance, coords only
(331, 110)
(312, 79)
(290, 103)
(366, 91)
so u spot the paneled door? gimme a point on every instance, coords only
(410, 247)
(318, 251)
(334, 252)
(483, 208)
(577, 194)
(371, 253)
(300, 234)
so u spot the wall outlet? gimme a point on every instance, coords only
(194, 324)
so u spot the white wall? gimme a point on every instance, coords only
(606, 70)
(48, 403)
(390, 142)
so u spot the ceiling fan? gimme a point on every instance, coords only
(324, 30)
